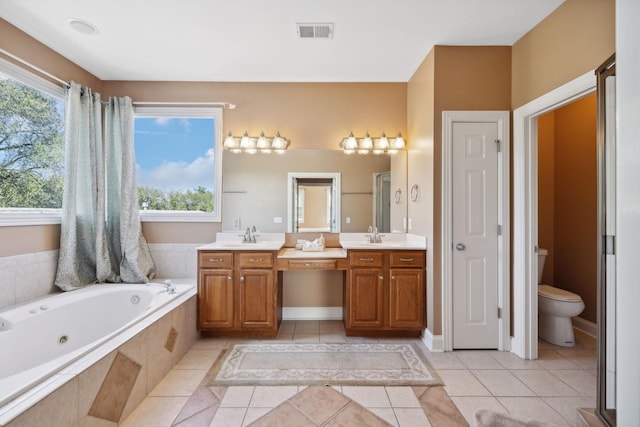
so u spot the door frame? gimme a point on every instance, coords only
(501, 118)
(525, 209)
(336, 192)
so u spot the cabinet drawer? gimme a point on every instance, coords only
(216, 259)
(255, 259)
(312, 264)
(406, 259)
(366, 259)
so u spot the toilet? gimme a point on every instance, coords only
(556, 307)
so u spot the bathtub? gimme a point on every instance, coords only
(46, 338)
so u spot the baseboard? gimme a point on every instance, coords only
(433, 342)
(312, 313)
(585, 326)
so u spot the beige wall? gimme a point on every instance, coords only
(312, 115)
(575, 39)
(464, 78)
(420, 165)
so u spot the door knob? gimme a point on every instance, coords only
(460, 247)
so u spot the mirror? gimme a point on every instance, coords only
(313, 202)
(255, 189)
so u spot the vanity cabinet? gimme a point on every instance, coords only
(238, 293)
(365, 290)
(385, 293)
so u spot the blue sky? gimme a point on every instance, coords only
(174, 153)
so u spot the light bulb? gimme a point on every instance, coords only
(230, 141)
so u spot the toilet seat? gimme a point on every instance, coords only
(557, 294)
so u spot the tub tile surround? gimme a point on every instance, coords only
(27, 277)
(93, 388)
(175, 259)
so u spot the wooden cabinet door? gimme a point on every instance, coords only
(257, 298)
(365, 298)
(215, 299)
(406, 298)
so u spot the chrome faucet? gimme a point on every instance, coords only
(248, 237)
(374, 237)
(168, 286)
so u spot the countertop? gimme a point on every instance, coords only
(267, 245)
(394, 245)
(275, 242)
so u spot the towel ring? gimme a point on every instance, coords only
(398, 196)
(415, 193)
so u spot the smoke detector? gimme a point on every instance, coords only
(315, 31)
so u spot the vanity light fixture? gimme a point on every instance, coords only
(251, 145)
(367, 145)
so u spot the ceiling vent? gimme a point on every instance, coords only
(315, 31)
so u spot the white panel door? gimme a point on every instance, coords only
(475, 235)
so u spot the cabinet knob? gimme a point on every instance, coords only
(242, 278)
(393, 277)
(229, 278)
(381, 277)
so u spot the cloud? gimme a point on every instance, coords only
(163, 121)
(172, 176)
(186, 125)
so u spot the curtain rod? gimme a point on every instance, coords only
(33, 67)
(226, 105)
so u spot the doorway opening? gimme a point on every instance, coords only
(568, 203)
(313, 201)
(525, 209)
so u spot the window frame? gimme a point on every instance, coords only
(214, 113)
(31, 216)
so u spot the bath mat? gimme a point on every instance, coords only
(324, 364)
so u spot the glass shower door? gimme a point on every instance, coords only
(607, 284)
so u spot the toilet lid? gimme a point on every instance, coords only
(557, 294)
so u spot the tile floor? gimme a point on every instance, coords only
(549, 389)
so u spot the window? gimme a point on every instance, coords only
(31, 147)
(178, 163)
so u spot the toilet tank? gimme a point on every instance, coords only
(542, 255)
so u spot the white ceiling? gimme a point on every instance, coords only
(256, 40)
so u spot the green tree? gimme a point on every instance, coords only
(198, 199)
(31, 147)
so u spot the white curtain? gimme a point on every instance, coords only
(101, 239)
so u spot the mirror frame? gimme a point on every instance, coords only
(336, 192)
